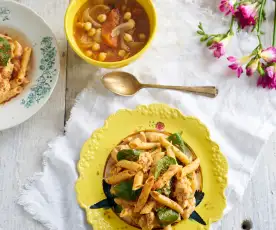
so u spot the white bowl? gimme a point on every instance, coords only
(27, 27)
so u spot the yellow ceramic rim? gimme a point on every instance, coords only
(108, 64)
(93, 156)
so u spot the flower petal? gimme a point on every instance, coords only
(231, 59)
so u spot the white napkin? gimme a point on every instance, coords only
(240, 119)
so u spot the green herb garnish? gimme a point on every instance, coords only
(176, 140)
(128, 154)
(5, 51)
(163, 165)
(166, 216)
(124, 190)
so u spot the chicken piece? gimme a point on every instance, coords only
(4, 86)
(7, 71)
(145, 159)
(183, 191)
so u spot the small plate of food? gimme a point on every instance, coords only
(152, 168)
(110, 33)
(29, 63)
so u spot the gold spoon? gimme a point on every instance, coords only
(125, 84)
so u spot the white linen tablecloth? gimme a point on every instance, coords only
(240, 119)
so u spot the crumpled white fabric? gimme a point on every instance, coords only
(240, 119)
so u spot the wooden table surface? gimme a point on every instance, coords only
(21, 147)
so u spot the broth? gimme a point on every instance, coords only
(110, 30)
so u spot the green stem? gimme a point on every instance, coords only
(230, 31)
(274, 27)
(260, 20)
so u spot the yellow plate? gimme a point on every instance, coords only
(156, 116)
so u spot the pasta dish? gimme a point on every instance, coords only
(14, 63)
(154, 178)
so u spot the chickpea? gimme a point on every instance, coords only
(88, 53)
(127, 16)
(128, 37)
(80, 25)
(101, 18)
(91, 32)
(122, 53)
(87, 26)
(102, 56)
(142, 37)
(96, 46)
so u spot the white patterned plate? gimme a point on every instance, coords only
(29, 29)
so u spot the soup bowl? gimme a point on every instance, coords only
(70, 15)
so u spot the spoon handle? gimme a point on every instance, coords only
(208, 91)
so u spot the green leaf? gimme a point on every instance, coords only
(204, 38)
(128, 154)
(200, 32)
(166, 216)
(5, 51)
(176, 140)
(163, 165)
(200, 26)
(118, 208)
(124, 190)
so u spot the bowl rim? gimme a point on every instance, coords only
(103, 63)
(58, 65)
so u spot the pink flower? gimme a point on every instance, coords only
(219, 46)
(252, 67)
(269, 79)
(246, 15)
(269, 54)
(227, 6)
(237, 64)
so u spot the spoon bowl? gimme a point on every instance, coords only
(125, 84)
(121, 83)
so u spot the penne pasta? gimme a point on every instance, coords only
(124, 203)
(131, 165)
(157, 150)
(193, 182)
(168, 227)
(182, 157)
(138, 181)
(170, 152)
(144, 194)
(122, 176)
(167, 202)
(24, 63)
(154, 136)
(191, 167)
(140, 136)
(177, 152)
(157, 157)
(164, 142)
(10, 94)
(166, 177)
(148, 207)
(138, 144)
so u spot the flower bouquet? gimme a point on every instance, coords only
(248, 15)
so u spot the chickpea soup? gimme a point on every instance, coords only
(111, 30)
